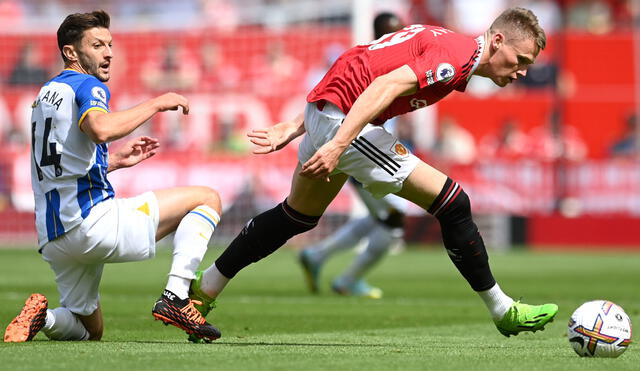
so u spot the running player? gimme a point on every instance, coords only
(397, 73)
(81, 225)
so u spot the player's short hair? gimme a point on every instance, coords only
(72, 28)
(385, 23)
(519, 24)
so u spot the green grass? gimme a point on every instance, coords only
(428, 319)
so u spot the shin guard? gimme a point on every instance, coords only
(461, 237)
(263, 235)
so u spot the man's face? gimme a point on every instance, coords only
(94, 53)
(510, 59)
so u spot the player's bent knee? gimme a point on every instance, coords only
(213, 200)
(203, 195)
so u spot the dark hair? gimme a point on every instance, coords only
(385, 23)
(72, 28)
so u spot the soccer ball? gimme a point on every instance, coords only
(599, 328)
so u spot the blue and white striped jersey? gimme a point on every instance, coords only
(68, 171)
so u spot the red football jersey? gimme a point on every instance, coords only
(441, 59)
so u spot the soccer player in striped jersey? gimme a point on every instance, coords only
(397, 73)
(81, 225)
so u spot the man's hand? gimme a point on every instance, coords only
(276, 137)
(133, 152)
(323, 162)
(171, 102)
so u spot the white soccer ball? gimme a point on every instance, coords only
(599, 328)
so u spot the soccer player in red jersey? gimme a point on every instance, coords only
(397, 73)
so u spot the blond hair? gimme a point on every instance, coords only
(519, 24)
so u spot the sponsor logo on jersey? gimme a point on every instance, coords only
(430, 79)
(98, 104)
(400, 149)
(99, 94)
(418, 103)
(445, 72)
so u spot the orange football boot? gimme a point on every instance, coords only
(30, 320)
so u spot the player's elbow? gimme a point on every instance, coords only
(99, 138)
(95, 133)
(102, 138)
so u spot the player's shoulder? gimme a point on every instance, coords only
(459, 49)
(79, 81)
(449, 40)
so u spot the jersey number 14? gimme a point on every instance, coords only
(50, 155)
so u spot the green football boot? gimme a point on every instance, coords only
(524, 317)
(311, 270)
(201, 301)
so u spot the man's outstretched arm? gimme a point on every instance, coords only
(104, 127)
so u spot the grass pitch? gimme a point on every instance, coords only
(428, 319)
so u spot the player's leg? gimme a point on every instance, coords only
(57, 324)
(346, 237)
(94, 324)
(447, 201)
(390, 210)
(268, 231)
(385, 231)
(265, 233)
(193, 213)
(352, 282)
(77, 278)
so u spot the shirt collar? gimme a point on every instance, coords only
(480, 41)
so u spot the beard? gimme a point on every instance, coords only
(91, 67)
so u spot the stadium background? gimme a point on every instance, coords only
(571, 177)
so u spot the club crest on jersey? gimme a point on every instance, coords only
(399, 149)
(445, 72)
(418, 103)
(430, 79)
(99, 94)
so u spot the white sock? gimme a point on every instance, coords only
(61, 324)
(380, 239)
(213, 282)
(344, 238)
(496, 301)
(178, 286)
(189, 246)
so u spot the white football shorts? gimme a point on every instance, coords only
(375, 158)
(115, 231)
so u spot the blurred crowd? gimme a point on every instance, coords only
(453, 144)
(278, 70)
(597, 16)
